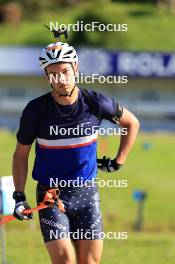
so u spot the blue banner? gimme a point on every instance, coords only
(134, 64)
(24, 61)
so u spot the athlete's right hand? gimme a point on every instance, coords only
(20, 206)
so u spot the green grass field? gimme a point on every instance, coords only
(149, 28)
(151, 170)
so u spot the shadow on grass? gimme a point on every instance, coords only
(140, 13)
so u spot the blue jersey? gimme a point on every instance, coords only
(66, 136)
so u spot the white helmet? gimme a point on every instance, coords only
(57, 52)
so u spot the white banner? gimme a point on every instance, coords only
(6, 189)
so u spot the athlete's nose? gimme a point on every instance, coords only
(62, 78)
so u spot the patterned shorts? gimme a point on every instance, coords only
(82, 219)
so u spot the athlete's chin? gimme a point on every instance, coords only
(66, 90)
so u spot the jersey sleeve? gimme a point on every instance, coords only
(108, 107)
(28, 126)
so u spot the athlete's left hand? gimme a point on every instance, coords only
(108, 165)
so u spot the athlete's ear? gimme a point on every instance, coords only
(47, 75)
(76, 69)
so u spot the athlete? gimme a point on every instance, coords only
(63, 155)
